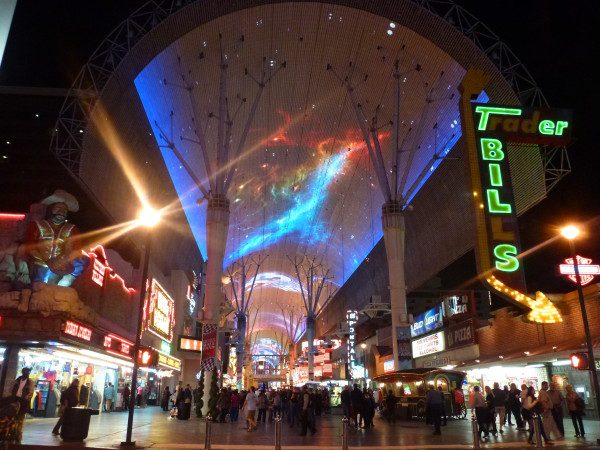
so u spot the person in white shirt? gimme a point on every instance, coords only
(250, 408)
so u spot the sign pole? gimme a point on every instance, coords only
(136, 348)
(586, 327)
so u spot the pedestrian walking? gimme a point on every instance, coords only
(164, 400)
(531, 406)
(263, 405)
(355, 406)
(576, 406)
(68, 399)
(499, 402)
(390, 406)
(295, 403)
(479, 405)
(22, 390)
(514, 406)
(369, 409)
(250, 405)
(234, 408)
(557, 407)
(433, 405)
(443, 412)
(547, 418)
(126, 397)
(489, 399)
(345, 401)
(109, 394)
(308, 412)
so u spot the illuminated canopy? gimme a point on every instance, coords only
(304, 184)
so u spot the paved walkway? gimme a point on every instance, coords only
(154, 429)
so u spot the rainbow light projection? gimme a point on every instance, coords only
(304, 184)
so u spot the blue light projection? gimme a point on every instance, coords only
(294, 221)
(305, 184)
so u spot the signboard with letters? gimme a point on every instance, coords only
(460, 335)
(351, 319)
(160, 312)
(487, 131)
(430, 320)
(190, 344)
(427, 345)
(388, 366)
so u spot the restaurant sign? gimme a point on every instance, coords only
(460, 335)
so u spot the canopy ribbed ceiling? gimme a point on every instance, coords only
(304, 184)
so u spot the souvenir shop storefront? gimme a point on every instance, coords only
(69, 350)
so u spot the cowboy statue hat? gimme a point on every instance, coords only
(61, 196)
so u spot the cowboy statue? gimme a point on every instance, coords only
(54, 256)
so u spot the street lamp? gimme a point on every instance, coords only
(147, 218)
(570, 233)
(364, 347)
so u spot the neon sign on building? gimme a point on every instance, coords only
(160, 312)
(351, 320)
(487, 129)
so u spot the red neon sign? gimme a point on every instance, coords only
(587, 270)
(78, 330)
(101, 267)
(12, 216)
(118, 346)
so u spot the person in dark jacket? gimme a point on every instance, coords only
(126, 397)
(356, 398)
(164, 400)
(434, 404)
(184, 403)
(22, 391)
(489, 399)
(514, 405)
(499, 403)
(68, 399)
(390, 406)
(368, 406)
(345, 400)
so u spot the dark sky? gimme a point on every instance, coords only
(50, 41)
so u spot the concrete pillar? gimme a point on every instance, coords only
(217, 227)
(9, 369)
(240, 347)
(393, 235)
(310, 336)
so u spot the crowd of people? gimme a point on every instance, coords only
(495, 407)
(296, 407)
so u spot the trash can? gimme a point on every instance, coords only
(77, 423)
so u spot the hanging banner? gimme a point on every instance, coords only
(209, 346)
(430, 320)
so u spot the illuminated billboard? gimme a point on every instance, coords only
(160, 312)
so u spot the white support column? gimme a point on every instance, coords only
(217, 227)
(310, 336)
(394, 234)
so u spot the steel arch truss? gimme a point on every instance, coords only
(67, 139)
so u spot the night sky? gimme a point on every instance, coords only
(552, 41)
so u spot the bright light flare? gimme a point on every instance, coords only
(149, 217)
(570, 232)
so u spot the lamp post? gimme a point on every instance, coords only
(364, 352)
(571, 232)
(147, 218)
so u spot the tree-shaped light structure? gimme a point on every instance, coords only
(242, 275)
(294, 329)
(313, 279)
(394, 187)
